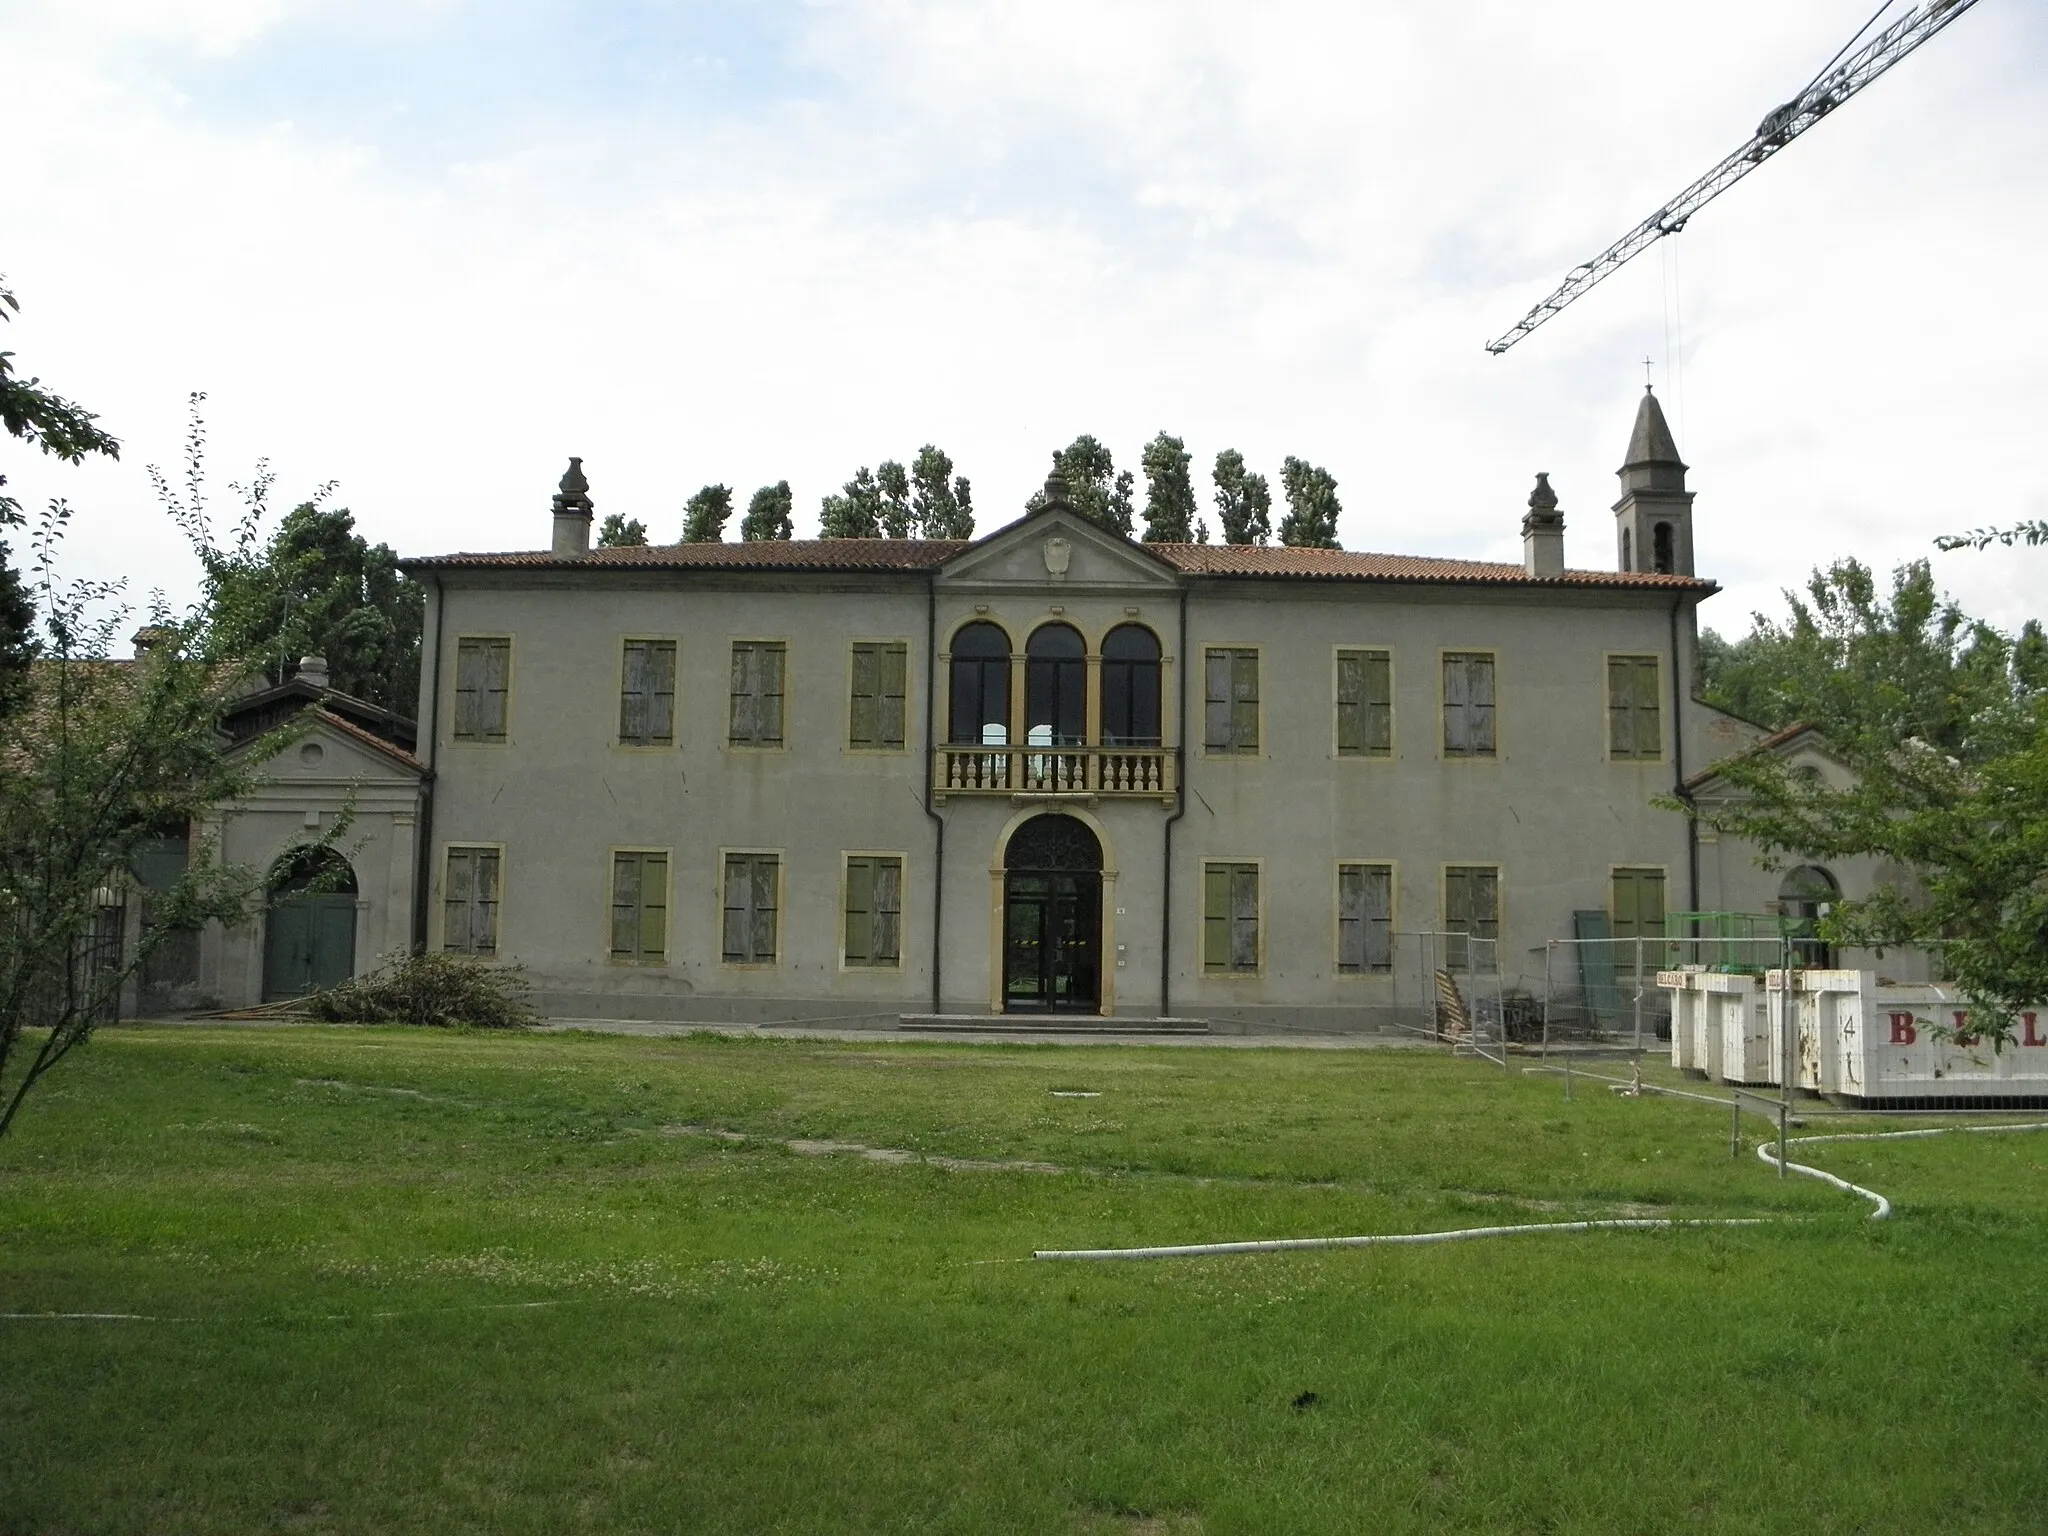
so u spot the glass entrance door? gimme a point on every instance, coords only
(1052, 940)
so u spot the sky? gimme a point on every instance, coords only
(428, 249)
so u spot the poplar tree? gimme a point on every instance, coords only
(1094, 487)
(769, 514)
(898, 520)
(705, 514)
(1244, 503)
(855, 511)
(1312, 505)
(619, 531)
(1169, 492)
(944, 508)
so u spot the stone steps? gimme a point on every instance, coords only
(1046, 1024)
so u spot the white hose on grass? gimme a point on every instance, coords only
(1767, 1152)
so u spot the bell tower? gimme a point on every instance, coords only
(1653, 519)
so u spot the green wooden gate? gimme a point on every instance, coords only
(309, 936)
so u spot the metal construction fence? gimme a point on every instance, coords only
(1448, 987)
(1602, 993)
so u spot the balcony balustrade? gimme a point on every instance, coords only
(1110, 772)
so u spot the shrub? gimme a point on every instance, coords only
(434, 988)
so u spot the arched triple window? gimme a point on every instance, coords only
(1055, 687)
(1130, 687)
(980, 686)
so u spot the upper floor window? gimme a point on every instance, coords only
(875, 715)
(1130, 687)
(647, 693)
(979, 685)
(1055, 687)
(1634, 721)
(483, 687)
(757, 670)
(1468, 704)
(1365, 704)
(1230, 700)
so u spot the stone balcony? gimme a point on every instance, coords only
(1042, 772)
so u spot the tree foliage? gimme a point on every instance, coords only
(898, 520)
(1169, 492)
(769, 514)
(1943, 724)
(942, 502)
(1094, 486)
(855, 512)
(104, 757)
(705, 515)
(313, 586)
(45, 420)
(1244, 502)
(1312, 505)
(618, 531)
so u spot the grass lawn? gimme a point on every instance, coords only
(408, 1281)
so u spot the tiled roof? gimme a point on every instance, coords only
(1218, 560)
(1768, 743)
(758, 555)
(370, 739)
(1356, 565)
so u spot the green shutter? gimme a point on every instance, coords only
(865, 727)
(1457, 722)
(1350, 917)
(1350, 702)
(1216, 917)
(888, 920)
(1244, 701)
(894, 676)
(1216, 701)
(660, 678)
(860, 911)
(1649, 735)
(653, 906)
(1378, 703)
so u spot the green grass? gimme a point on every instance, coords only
(340, 1237)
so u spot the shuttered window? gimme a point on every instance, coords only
(1365, 704)
(483, 685)
(1230, 919)
(469, 901)
(874, 910)
(1468, 704)
(1231, 713)
(1638, 906)
(647, 694)
(757, 668)
(752, 897)
(639, 906)
(1365, 918)
(876, 715)
(1634, 724)
(1471, 911)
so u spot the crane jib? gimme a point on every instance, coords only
(1842, 77)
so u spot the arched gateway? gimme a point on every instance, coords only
(1052, 918)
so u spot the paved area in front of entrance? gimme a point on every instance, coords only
(1024, 1036)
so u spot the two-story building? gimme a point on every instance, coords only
(1053, 769)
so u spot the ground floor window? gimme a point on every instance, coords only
(1637, 906)
(1471, 910)
(469, 901)
(640, 906)
(1365, 918)
(1230, 919)
(874, 910)
(752, 899)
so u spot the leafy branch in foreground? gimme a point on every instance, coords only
(1942, 723)
(2032, 531)
(102, 758)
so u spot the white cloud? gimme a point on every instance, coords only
(1286, 228)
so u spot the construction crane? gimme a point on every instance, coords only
(1839, 79)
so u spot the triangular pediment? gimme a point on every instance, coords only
(340, 752)
(1058, 549)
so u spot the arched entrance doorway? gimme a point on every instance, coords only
(1052, 918)
(309, 932)
(1805, 896)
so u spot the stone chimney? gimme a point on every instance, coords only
(573, 512)
(313, 670)
(149, 637)
(1543, 531)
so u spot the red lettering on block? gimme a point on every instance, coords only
(2030, 1038)
(1903, 1032)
